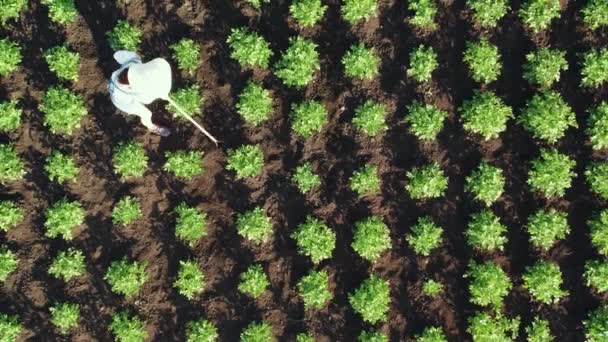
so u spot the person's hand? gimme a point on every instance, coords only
(161, 130)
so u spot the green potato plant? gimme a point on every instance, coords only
(594, 69)
(539, 331)
(128, 328)
(255, 226)
(597, 126)
(61, 167)
(254, 281)
(68, 265)
(305, 178)
(10, 56)
(597, 178)
(10, 327)
(201, 330)
(372, 336)
(546, 227)
(483, 60)
(65, 316)
(486, 327)
(249, 48)
(63, 12)
(125, 277)
(314, 290)
(63, 110)
(305, 338)
(307, 12)
(355, 11)
(255, 104)
(11, 215)
(485, 114)
(299, 62)
(63, 62)
(544, 281)
(370, 118)
(599, 232)
(423, 61)
(257, 332)
(425, 12)
(485, 232)
(595, 14)
(308, 118)
(544, 66)
(425, 236)
(184, 164)
(537, 15)
(62, 217)
(187, 54)
(486, 183)
(124, 36)
(11, 9)
(365, 181)
(426, 182)
(432, 288)
(551, 174)
(247, 161)
(547, 116)
(487, 13)
(130, 160)
(596, 275)
(315, 239)
(431, 334)
(371, 300)
(596, 325)
(10, 116)
(190, 224)
(12, 167)
(489, 284)
(371, 238)
(190, 280)
(257, 3)
(361, 63)
(8, 263)
(426, 120)
(126, 211)
(189, 99)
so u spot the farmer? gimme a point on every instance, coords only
(136, 84)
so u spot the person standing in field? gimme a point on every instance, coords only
(136, 84)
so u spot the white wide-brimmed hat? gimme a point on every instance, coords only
(152, 80)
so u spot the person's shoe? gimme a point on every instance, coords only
(160, 130)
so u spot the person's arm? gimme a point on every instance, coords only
(124, 56)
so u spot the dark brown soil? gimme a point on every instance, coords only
(335, 153)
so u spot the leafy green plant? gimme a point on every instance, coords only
(304, 338)
(485, 232)
(360, 62)
(62, 11)
(124, 36)
(11, 215)
(61, 167)
(314, 290)
(63, 110)
(431, 334)
(597, 177)
(254, 225)
(423, 61)
(484, 327)
(190, 279)
(426, 120)
(489, 284)
(11, 9)
(596, 275)
(184, 164)
(483, 60)
(432, 288)
(10, 56)
(365, 181)
(539, 331)
(487, 13)
(594, 70)
(62, 218)
(371, 300)
(68, 265)
(190, 224)
(354, 11)
(424, 13)
(372, 336)
(315, 239)
(599, 232)
(12, 168)
(8, 263)
(547, 116)
(596, 325)
(426, 181)
(597, 126)
(126, 277)
(187, 54)
(247, 161)
(486, 183)
(65, 316)
(10, 116)
(254, 281)
(249, 48)
(10, 328)
(305, 178)
(258, 3)
(538, 14)
(255, 104)
(544, 281)
(543, 66)
(130, 159)
(371, 238)
(298, 63)
(189, 99)
(257, 332)
(307, 12)
(63, 62)
(128, 328)
(546, 227)
(485, 114)
(126, 211)
(308, 118)
(551, 174)
(370, 118)
(595, 14)
(425, 236)
(201, 331)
